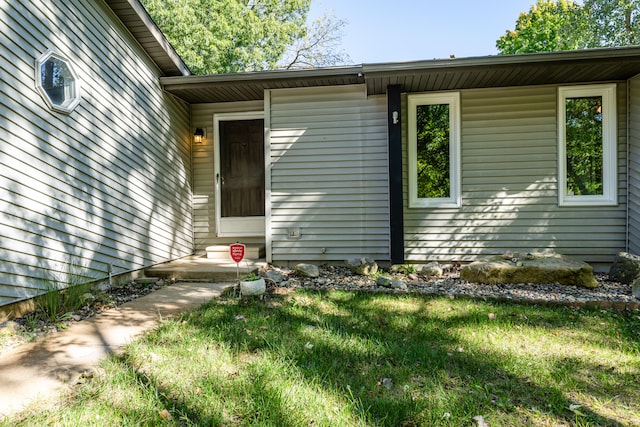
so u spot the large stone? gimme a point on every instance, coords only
(532, 268)
(625, 268)
(307, 270)
(362, 266)
(274, 277)
(431, 269)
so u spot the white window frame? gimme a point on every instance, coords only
(453, 100)
(609, 146)
(74, 98)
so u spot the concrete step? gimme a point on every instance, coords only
(203, 268)
(221, 252)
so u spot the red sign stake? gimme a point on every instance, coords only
(236, 251)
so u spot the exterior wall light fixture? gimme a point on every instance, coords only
(198, 136)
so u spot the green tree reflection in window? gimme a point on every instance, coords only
(584, 144)
(433, 141)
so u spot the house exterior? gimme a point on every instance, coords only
(98, 174)
(100, 166)
(340, 166)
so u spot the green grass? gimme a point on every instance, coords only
(349, 359)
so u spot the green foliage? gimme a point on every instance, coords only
(251, 277)
(224, 36)
(64, 291)
(548, 26)
(433, 138)
(584, 145)
(612, 22)
(565, 25)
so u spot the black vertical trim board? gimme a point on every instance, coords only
(394, 127)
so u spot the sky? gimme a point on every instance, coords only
(410, 30)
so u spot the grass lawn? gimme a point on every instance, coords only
(352, 359)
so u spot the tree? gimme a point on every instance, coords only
(224, 36)
(548, 26)
(565, 25)
(613, 22)
(319, 47)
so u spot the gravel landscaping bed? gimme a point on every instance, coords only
(608, 294)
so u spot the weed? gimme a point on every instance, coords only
(64, 291)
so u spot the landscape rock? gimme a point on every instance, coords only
(431, 269)
(398, 284)
(384, 281)
(625, 268)
(362, 266)
(541, 268)
(274, 277)
(307, 270)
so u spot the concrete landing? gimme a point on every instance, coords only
(40, 370)
(202, 268)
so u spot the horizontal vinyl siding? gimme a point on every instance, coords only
(509, 187)
(107, 184)
(329, 175)
(203, 173)
(634, 166)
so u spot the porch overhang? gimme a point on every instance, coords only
(250, 86)
(589, 65)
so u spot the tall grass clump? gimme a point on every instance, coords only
(64, 291)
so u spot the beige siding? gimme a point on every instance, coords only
(634, 166)
(203, 173)
(509, 186)
(329, 174)
(109, 183)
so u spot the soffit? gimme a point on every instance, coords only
(251, 86)
(593, 65)
(596, 65)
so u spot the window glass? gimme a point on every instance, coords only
(584, 145)
(434, 150)
(57, 81)
(433, 142)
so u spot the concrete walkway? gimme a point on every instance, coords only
(42, 369)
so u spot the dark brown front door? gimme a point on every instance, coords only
(241, 168)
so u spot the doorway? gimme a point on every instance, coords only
(239, 174)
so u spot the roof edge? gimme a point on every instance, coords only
(140, 12)
(493, 60)
(264, 75)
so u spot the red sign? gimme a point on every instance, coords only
(237, 251)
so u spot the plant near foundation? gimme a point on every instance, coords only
(64, 291)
